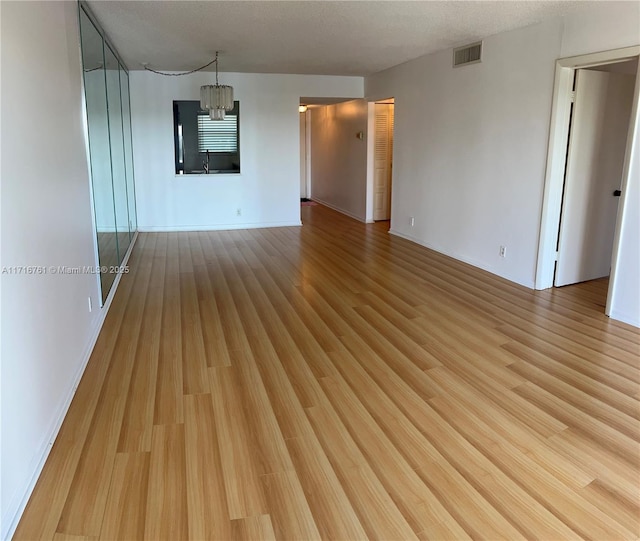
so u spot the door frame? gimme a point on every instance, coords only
(371, 125)
(307, 143)
(556, 161)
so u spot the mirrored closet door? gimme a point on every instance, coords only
(106, 87)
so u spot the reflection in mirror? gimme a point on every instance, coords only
(116, 139)
(99, 152)
(128, 150)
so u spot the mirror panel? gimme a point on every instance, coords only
(128, 150)
(106, 85)
(116, 138)
(99, 149)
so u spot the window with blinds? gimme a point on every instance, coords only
(218, 136)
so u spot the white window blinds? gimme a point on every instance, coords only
(218, 135)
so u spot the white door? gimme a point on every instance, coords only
(597, 142)
(383, 153)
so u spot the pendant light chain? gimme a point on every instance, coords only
(214, 61)
(217, 99)
(217, 69)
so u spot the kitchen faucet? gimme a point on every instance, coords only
(205, 164)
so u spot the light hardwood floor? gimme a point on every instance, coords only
(335, 382)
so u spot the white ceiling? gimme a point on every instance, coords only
(306, 37)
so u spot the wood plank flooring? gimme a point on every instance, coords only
(335, 382)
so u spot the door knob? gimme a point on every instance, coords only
(617, 193)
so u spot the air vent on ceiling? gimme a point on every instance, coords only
(469, 54)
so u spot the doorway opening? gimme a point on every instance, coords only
(332, 161)
(587, 169)
(380, 159)
(305, 176)
(599, 123)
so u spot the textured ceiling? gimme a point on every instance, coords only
(306, 37)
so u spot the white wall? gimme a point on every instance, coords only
(267, 190)
(339, 158)
(470, 148)
(47, 330)
(601, 26)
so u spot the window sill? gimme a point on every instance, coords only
(203, 174)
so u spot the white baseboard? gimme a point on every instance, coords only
(118, 277)
(108, 229)
(216, 227)
(19, 501)
(629, 319)
(458, 257)
(340, 210)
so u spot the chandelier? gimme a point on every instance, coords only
(217, 99)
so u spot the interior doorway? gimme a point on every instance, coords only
(305, 177)
(383, 158)
(602, 99)
(592, 208)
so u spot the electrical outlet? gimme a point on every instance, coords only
(413, 221)
(90, 304)
(503, 251)
(238, 212)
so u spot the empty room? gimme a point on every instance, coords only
(311, 269)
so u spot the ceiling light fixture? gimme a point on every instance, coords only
(217, 99)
